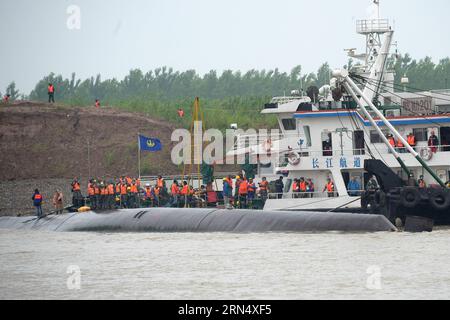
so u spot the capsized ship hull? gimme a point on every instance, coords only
(201, 220)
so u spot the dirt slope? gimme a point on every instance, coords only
(39, 141)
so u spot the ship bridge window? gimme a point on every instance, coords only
(421, 134)
(375, 137)
(289, 124)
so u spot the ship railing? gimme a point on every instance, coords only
(302, 195)
(434, 149)
(308, 153)
(373, 25)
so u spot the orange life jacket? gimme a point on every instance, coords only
(412, 140)
(110, 189)
(185, 190)
(97, 190)
(295, 187)
(103, 191)
(263, 186)
(123, 189)
(51, 89)
(91, 190)
(330, 187)
(38, 196)
(148, 192)
(243, 187)
(175, 190)
(392, 141)
(303, 186)
(400, 144)
(129, 180)
(157, 190)
(76, 186)
(134, 188)
(251, 188)
(160, 183)
(97, 104)
(118, 188)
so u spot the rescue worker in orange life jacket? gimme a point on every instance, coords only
(37, 202)
(51, 93)
(134, 195)
(6, 98)
(175, 191)
(186, 194)
(263, 189)
(296, 187)
(97, 103)
(303, 186)
(401, 147)
(329, 187)
(123, 194)
(111, 194)
(412, 140)
(77, 197)
(243, 192)
(392, 142)
(251, 192)
(91, 194)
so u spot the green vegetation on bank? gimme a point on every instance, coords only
(229, 97)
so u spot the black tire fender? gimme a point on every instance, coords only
(410, 197)
(440, 199)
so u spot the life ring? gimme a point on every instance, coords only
(410, 197)
(267, 145)
(426, 154)
(294, 158)
(440, 199)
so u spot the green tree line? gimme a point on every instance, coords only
(228, 97)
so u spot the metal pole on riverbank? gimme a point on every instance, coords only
(139, 156)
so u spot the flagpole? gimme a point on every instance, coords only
(139, 156)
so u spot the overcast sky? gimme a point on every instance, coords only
(116, 36)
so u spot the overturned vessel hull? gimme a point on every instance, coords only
(201, 220)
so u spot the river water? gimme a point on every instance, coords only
(52, 265)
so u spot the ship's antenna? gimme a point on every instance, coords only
(377, 3)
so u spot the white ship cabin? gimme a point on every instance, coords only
(329, 139)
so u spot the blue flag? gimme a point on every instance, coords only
(149, 144)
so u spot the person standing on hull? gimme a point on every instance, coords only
(243, 191)
(37, 202)
(263, 190)
(58, 202)
(279, 187)
(76, 193)
(227, 193)
(236, 191)
(91, 194)
(175, 191)
(111, 195)
(251, 193)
